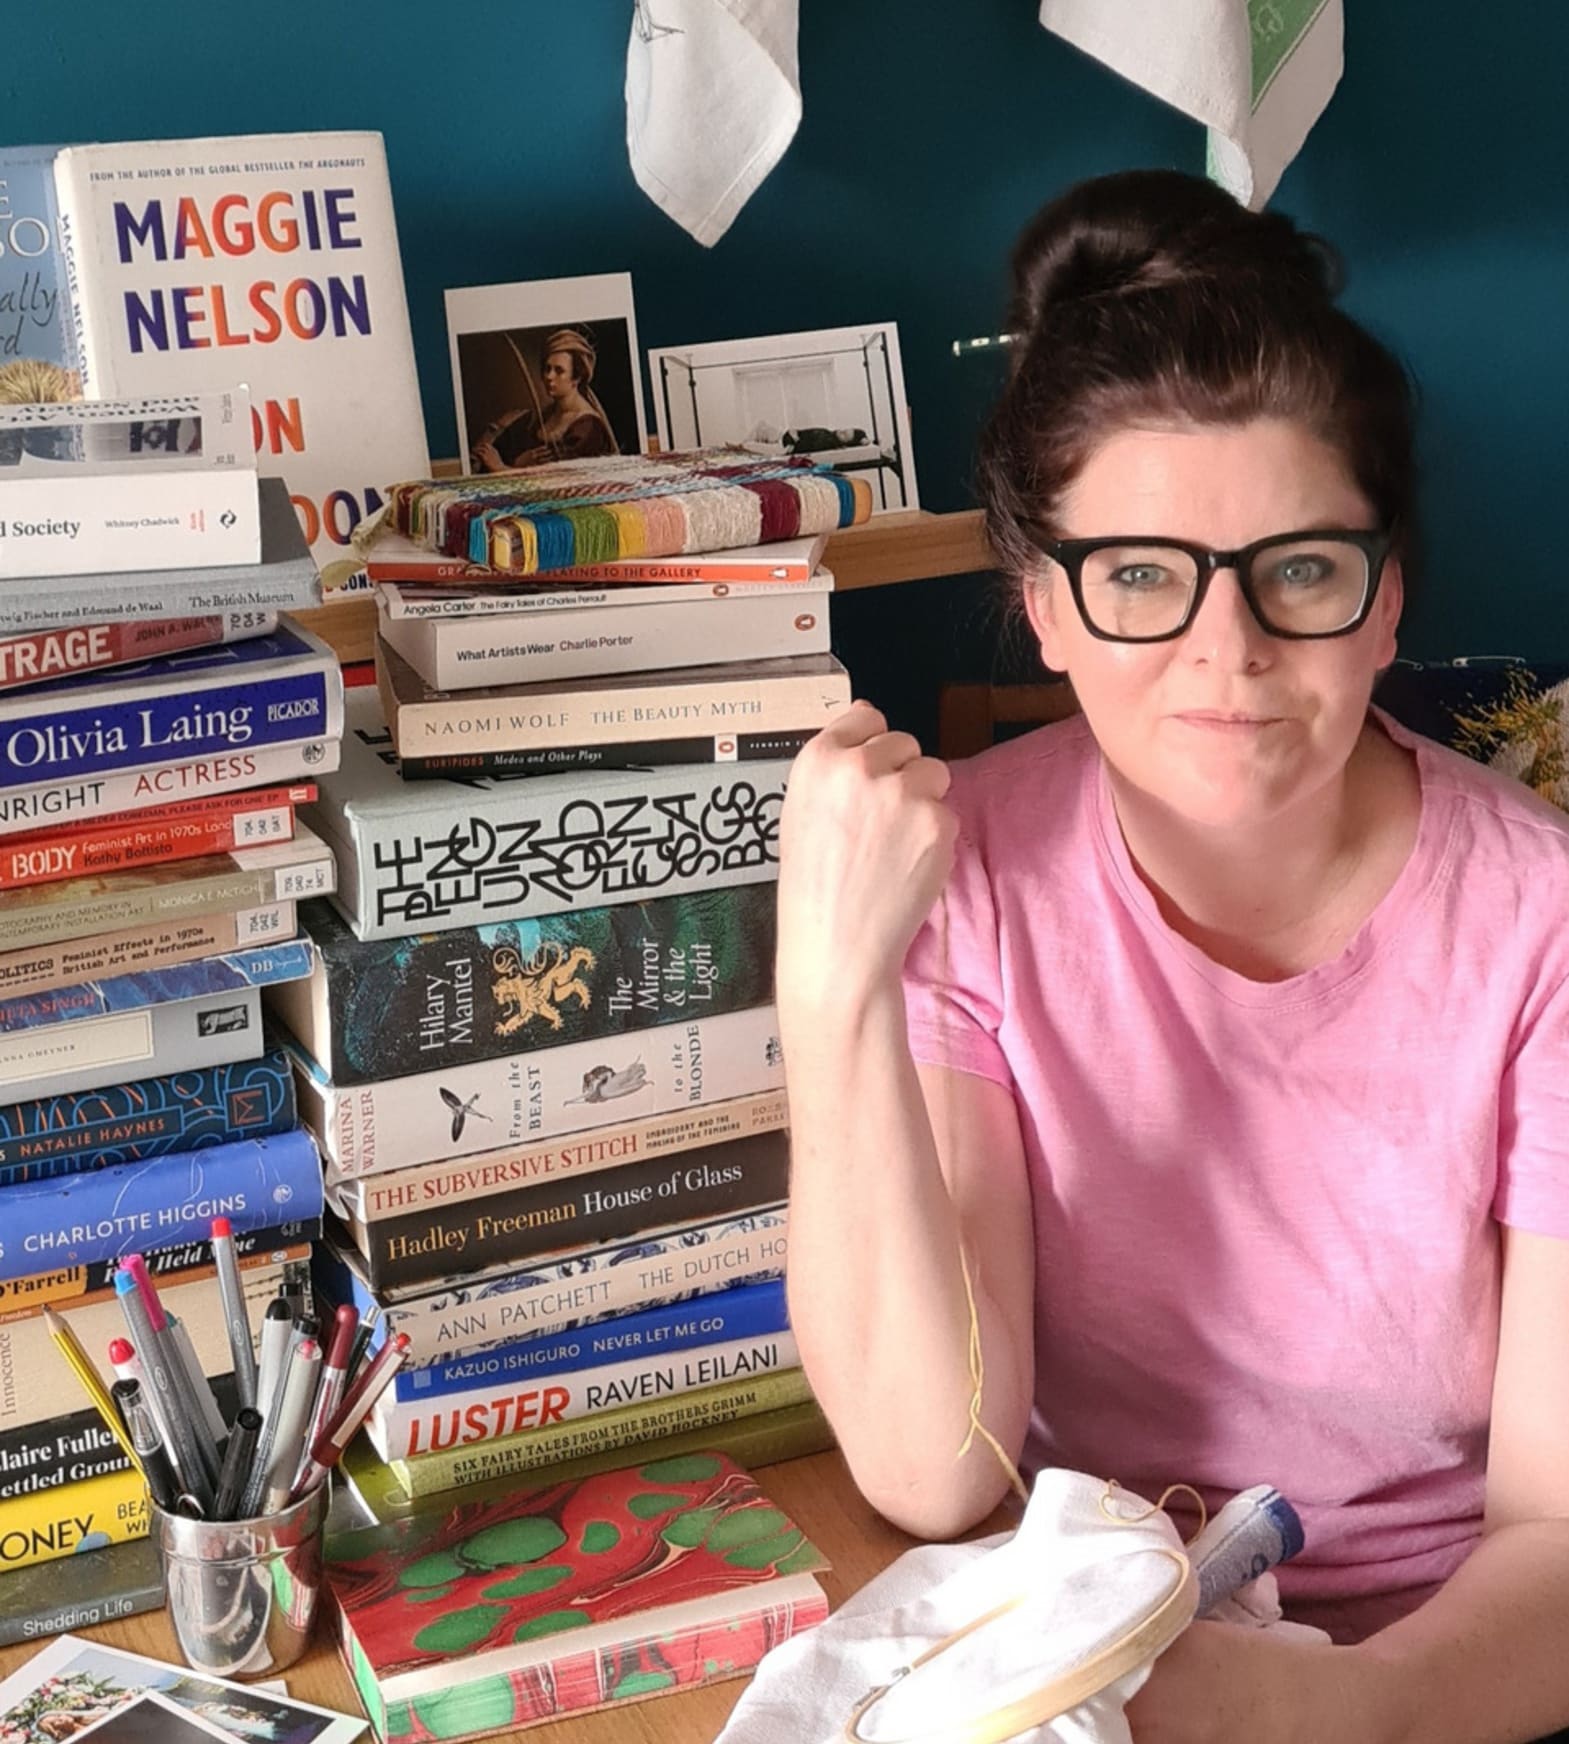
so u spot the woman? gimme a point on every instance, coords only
(571, 425)
(1218, 1037)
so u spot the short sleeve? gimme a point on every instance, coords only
(1533, 1124)
(953, 976)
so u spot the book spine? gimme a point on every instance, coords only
(88, 1588)
(148, 1117)
(143, 594)
(87, 1001)
(184, 831)
(93, 647)
(374, 1197)
(505, 1231)
(749, 1311)
(59, 1450)
(86, 334)
(73, 1287)
(556, 1294)
(48, 966)
(294, 871)
(405, 597)
(711, 1417)
(459, 654)
(403, 1431)
(87, 1516)
(55, 802)
(633, 754)
(186, 1035)
(429, 1116)
(159, 1203)
(757, 706)
(478, 993)
(43, 737)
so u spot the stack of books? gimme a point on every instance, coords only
(538, 1045)
(159, 729)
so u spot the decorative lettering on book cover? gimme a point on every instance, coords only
(543, 1564)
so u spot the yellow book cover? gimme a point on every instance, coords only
(624, 1427)
(86, 1516)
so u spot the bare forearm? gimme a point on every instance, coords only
(1483, 1661)
(877, 1291)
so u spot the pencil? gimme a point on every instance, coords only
(70, 1347)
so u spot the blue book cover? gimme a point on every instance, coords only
(747, 1311)
(53, 1136)
(255, 1183)
(263, 967)
(237, 696)
(37, 330)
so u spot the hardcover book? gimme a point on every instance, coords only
(284, 580)
(186, 830)
(753, 711)
(417, 601)
(112, 1212)
(100, 1511)
(154, 1041)
(143, 1118)
(267, 691)
(127, 484)
(501, 1232)
(614, 1588)
(289, 870)
(400, 1122)
(562, 1292)
(95, 1586)
(45, 654)
(445, 854)
(383, 1008)
(270, 257)
(460, 653)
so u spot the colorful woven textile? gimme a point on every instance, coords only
(594, 511)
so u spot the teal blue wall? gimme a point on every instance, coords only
(932, 130)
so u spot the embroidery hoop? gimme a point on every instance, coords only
(1146, 1638)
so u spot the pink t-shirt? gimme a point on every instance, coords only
(1266, 1214)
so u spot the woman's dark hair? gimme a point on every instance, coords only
(1152, 297)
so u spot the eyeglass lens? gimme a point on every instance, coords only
(1308, 587)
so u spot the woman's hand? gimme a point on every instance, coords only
(1228, 1683)
(866, 845)
(484, 458)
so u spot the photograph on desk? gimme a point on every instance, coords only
(545, 371)
(835, 395)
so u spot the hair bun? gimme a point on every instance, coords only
(1143, 229)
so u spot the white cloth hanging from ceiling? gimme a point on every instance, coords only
(1256, 73)
(713, 96)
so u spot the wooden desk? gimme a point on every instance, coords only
(816, 1492)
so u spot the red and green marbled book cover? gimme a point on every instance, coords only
(621, 1585)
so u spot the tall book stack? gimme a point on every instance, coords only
(538, 1046)
(152, 761)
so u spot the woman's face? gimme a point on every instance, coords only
(1227, 726)
(557, 373)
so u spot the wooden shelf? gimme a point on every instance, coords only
(886, 549)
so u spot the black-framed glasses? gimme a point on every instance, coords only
(1301, 586)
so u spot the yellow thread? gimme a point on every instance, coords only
(978, 1381)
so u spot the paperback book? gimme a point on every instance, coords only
(38, 358)
(287, 870)
(563, 1291)
(383, 1008)
(530, 1097)
(284, 579)
(185, 830)
(414, 601)
(92, 1587)
(443, 854)
(461, 653)
(186, 256)
(753, 711)
(42, 655)
(620, 1586)
(93, 485)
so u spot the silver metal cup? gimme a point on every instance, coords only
(242, 1593)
